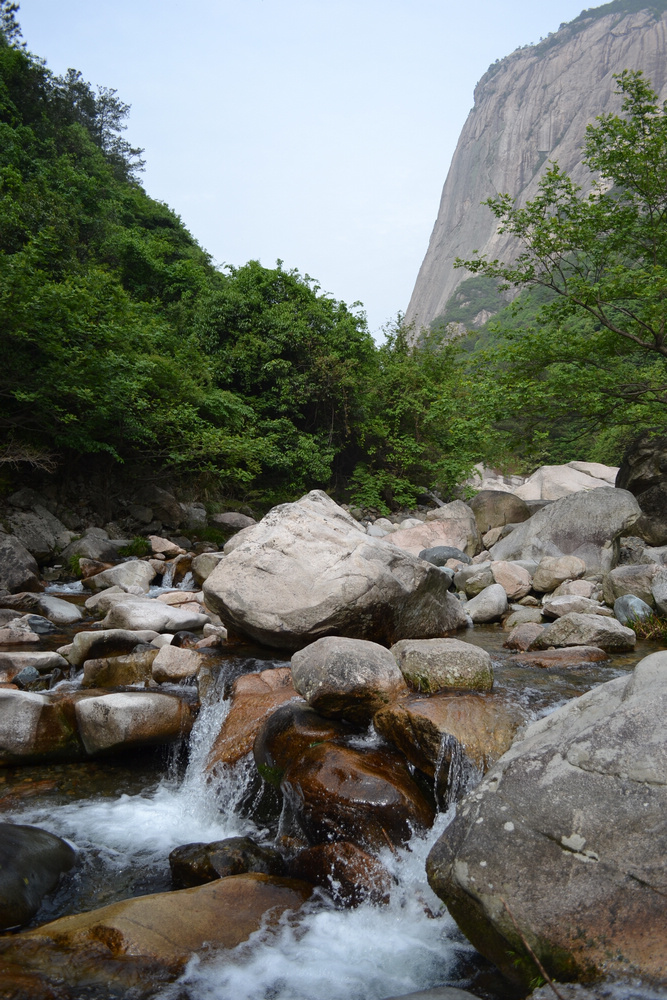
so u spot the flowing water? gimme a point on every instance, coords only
(125, 816)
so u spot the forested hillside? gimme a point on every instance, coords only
(121, 340)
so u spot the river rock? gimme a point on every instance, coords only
(307, 570)
(521, 616)
(349, 874)
(587, 630)
(196, 864)
(514, 579)
(364, 796)
(565, 657)
(39, 531)
(150, 939)
(454, 524)
(31, 863)
(233, 519)
(659, 593)
(36, 727)
(120, 671)
(489, 606)
(133, 573)
(287, 733)
(495, 508)
(643, 472)
(204, 564)
(347, 678)
(478, 581)
(583, 524)
(556, 607)
(174, 664)
(94, 545)
(552, 571)
(253, 698)
(153, 614)
(636, 580)
(439, 555)
(17, 634)
(452, 738)
(551, 482)
(431, 665)
(43, 660)
(629, 608)
(523, 636)
(131, 718)
(568, 834)
(18, 568)
(94, 645)
(575, 588)
(164, 546)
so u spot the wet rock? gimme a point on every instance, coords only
(120, 671)
(347, 678)
(567, 832)
(453, 525)
(112, 722)
(350, 875)
(366, 796)
(174, 664)
(196, 864)
(287, 733)
(493, 509)
(18, 568)
(438, 555)
(26, 678)
(101, 643)
(523, 617)
(552, 571)
(523, 636)
(154, 615)
(31, 863)
(16, 635)
(37, 624)
(587, 630)
(36, 726)
(133, 573)
(149, 939)
(254, 697)
(515, 580)
(57, 610)
(307, 570)
(489, 606)
(630, 608)
(582, 525)
(431, 665)
(468, 731)
(567, 656)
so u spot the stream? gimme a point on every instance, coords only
(127, 813)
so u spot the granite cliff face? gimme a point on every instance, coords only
(532, 107)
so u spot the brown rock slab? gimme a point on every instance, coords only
(287, 733)
(351, 876)
(567, 656)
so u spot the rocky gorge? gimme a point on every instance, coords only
(224, 769)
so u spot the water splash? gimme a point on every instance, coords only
(462, 773)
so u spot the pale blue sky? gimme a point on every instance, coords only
(317, 131)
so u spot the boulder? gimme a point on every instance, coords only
(583, 524)
(552, 571)
(347, 678)
(365, 796)
(478, 581)
(93, 645)
(452, 738)
(174, 664)
(307, 570)
(120, 671)
(566, 836)
(43, 661)
(17, 634)
(31, 863)
(551, 482)
(575, 588)
(36, 726)
(18, 568)
(119, 721)
(232, 519)
(629, 608)
(164, 505)
(439, 555)
(495, 508)
(164, 546)
(636, 580)
(287, 733)
(489, 606)
(643, 472)
(57, 610)
(587, 630)
(431, 665)
(39, 531)
(454, 524)
(133, 573)
(521, 616)
(254, 697)
(565, 657)
(556, 607)
(150, 939)
(153, 614)
(204, 564)
(196, 864)
(659, 593)
(349, 874)
(523, 636)
(515, 580)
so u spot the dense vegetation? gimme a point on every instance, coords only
(120, 339)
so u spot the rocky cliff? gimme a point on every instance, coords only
(530, 107)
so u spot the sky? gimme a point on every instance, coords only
(317, 132)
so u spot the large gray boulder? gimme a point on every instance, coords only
(582, 524)
(574, 629)
(567, 836)
(495, 508)
(18, 568)
(132, 573)
(308, 570)
(156, 615)
(40, 531)
(119, 721)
